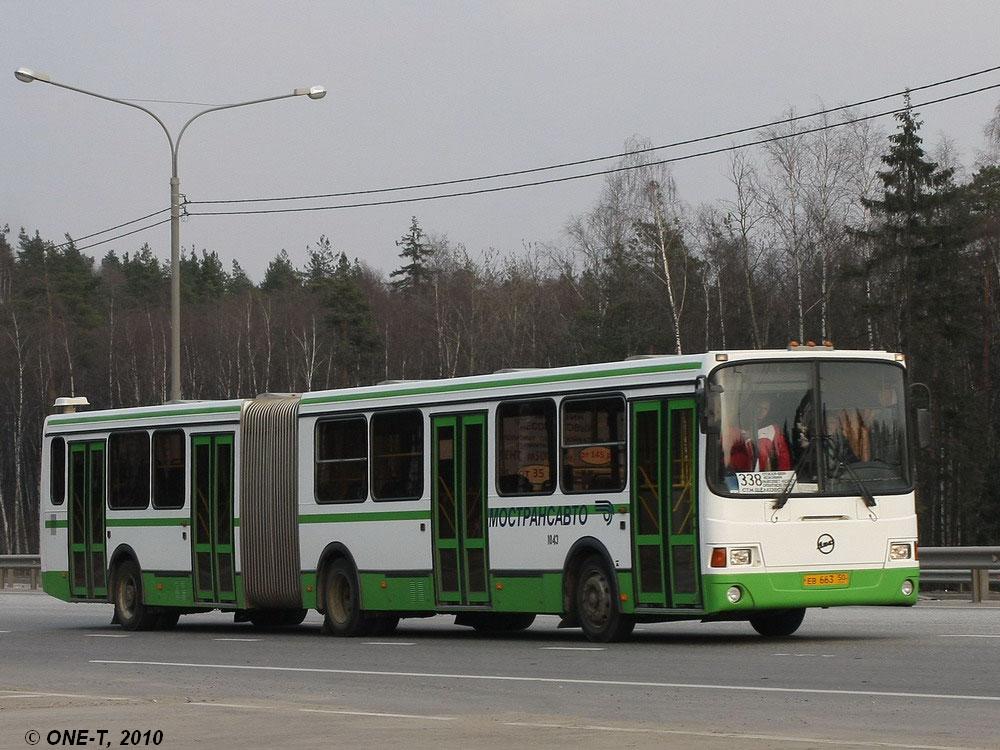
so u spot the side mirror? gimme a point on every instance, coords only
(709, 405)
(924, 428)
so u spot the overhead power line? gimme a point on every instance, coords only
(111, 229)
(125, 234)
(613, 170)
(592, 160)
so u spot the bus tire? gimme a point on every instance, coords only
(777, 623)
(342, 601)
(130, 611)
(597, 605)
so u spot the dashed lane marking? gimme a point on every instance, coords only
(251, 707)
(388, 643)
(731, 735)
(104, 635)
(558, 680)
(572, 648)
(968, 635)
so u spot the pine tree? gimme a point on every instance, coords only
(280, 274)
(416, 253)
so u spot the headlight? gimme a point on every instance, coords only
(734, 594)
(900, 552)
(740, 556)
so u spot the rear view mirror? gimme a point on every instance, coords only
(924, 428)
(709, 397)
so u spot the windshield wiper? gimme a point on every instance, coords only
(782, 497)
(866, 494)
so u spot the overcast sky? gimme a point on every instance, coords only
(423, 91)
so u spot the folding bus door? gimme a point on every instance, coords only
(458, 509)
(87, 549)
(665, 503)
(212, 561)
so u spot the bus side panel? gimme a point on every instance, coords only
(53, 533)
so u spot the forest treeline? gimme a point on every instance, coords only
(852, 234)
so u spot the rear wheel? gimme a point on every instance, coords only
(777, 623)
(130, 612)
(597, 605)
(342, 602)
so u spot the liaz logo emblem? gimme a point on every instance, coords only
(606, 509)
(825, 544)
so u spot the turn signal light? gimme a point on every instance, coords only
(718, 557)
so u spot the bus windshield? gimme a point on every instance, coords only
(813, 427)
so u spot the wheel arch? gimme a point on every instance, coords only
(122, 553)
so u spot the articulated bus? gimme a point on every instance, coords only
(740, 485)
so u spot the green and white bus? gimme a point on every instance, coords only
(739, 485)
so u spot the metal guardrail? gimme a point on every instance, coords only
(13, 567)
(940, 564)
(937, 565)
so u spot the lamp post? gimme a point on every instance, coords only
(26, 75)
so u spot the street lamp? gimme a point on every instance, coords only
(26, 75)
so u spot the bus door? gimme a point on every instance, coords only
(87, 557)
(665, 503)
(458, 509)
(212, 517)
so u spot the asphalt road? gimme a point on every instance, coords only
(851, 677)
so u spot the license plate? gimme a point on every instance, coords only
(810, 580)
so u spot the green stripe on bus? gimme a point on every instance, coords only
(172, 521)
(57, 524)
(504, 383)
(388, 515)
(82, 418)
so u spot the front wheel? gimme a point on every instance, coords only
(597, 605)
(777, 623)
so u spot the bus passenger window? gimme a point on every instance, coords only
(526, 447)
(341, 460)
(398, 455)
(593, 445)
(57, 471)
(128, 470)
(168, 469)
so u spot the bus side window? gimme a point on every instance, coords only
(341, 452)
(593, 444)
(57, 471)
(526, 447)
(168, 469)
(128, 470)
(397, 455)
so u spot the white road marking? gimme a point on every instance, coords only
(372, 713)
(970, 635)
(557, 680)
(241, 640)
(4, 631)
(249, 707)
(732, 735)
(388, 643)
(7, 693)
(24, 695)
(229, 705)
(572, 648)
(104, 635)
(815, 656)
